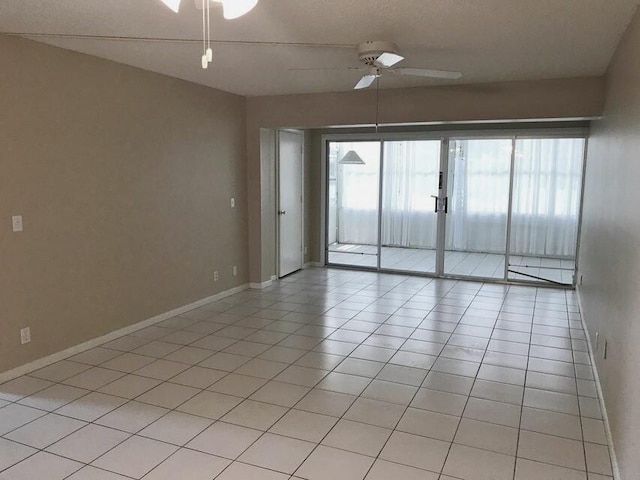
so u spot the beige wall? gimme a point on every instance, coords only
(124, 179)
(610, 253)
(313, 196)
(548, 99)
(576, 97)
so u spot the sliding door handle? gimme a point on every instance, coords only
(435, 197)
(442, 204)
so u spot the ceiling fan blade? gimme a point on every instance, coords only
(423, 72)
(388, 59)
(365, 82)
(320, 69)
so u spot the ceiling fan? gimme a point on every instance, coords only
(231, 9)
(380, 57)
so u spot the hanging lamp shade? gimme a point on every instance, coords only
(352, 158)
(172, 4)
(236, 8)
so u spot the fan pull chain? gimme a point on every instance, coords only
(209, 51)
(205, 61)
(377, 99)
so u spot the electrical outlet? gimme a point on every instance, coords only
(16, 221)
(233, 203)
(216, 276)
(25, 335)
(235, 271)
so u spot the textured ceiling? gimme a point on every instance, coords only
(488, 40)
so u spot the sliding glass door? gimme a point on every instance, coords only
(353, 202)
(547, 189)
(502, 208)
(478, 207)
(409, 236)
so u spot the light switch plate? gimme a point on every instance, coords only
(233, 203)
(25, 335)
(16, 220)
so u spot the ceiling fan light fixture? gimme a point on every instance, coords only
(172, 4)
(352, 158)
(232, 9)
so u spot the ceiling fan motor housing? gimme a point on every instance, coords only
(370, 51)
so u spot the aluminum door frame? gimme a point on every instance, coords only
(445, 137)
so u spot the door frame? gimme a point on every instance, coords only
(277, 197)
(512, 138)
(445, 136)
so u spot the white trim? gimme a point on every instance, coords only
(274, 278)
(56, 357)
(312, 264)
(323, 198)
(605, 417)
(558, 120)
(261, 286)
(504, 133)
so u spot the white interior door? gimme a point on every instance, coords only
(290, 219)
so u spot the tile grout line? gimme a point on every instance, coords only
(584, 446)
(524, 387)
(360, 396)
(171, 410)
(308, 351)
(394, 429)
(473, 384)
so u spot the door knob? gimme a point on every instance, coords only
(282, 212)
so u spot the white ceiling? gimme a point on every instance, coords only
(488, 40)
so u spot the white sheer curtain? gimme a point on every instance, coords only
(357, 193)
(478, 195)
(411, 171)
(547, 189)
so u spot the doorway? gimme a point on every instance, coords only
(502, 208)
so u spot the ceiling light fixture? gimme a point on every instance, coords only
(352, 158)
(172, 4)
(231, 9)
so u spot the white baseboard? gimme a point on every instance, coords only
(605, 417)
(263, 285)
(69, 352)
(313, 264)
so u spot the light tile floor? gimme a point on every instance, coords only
(469, 264)
(327, 375)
